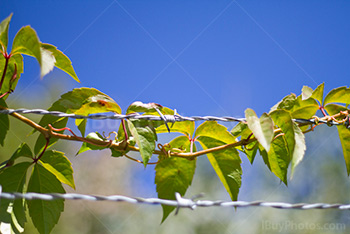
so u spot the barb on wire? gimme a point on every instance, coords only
(165, 118)
(180, 202)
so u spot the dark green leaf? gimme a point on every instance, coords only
(284, 120)
(279, 159)
(344, 136)
(13, 73)
(44, 214)
(4, 123)
(239, 129)
(145, 137)
(262, 128)
(226, 163)
(61, 60)
(4, 31)
(27, 42)
(22, 151)
(174, 174)
(344, 133)
(59, 165)
(339, 95)
(242, 130)
(12, 179)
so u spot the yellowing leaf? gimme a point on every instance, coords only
(262, 128)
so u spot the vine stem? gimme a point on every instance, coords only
(7, 58)
(47, 133)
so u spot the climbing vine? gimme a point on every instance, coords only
(276, 136)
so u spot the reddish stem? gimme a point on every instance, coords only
(323, 111)
(7, 58)
(42, 152)
(4, 94)
(124, 128)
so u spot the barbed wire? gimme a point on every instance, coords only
(180, 201)
(165, 118)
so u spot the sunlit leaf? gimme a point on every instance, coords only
(306, 92)
(286, 103)
(61, 60)
(262, 128)
(226, 163)
(142, 107)
(4, 28)
(47, 62)
(174, 174)
(318, 93)
(339, 95)
(305, 112)
(4, 124)
(44, 214)
(59, 165)
(145, 137)
(12, 179)
(27, 42)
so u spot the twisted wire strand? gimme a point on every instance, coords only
(165, 118)
(180, 202)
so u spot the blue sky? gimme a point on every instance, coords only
(200, 57)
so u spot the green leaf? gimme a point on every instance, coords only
(339, 95)
(262, 128)
(12, 179)
(4, 123)
(86, 146)
(174, 174)
(318, 93)
(226, 163)
(81, 101)
(27, 42)
(239, 129)
(284, 120)
(81, 124)
(4, 31)
(305, 112)
(61, 60)
(344, 134)
(145, 137)
(13, 73)
(44, 214)
(306, 92)
(22, 151)
(299, 149)
(214, 130)
(287, 103)
(278, 158)
(59, 165)
(142, 107)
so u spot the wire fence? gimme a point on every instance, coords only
(166, 118)
(180, 201)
